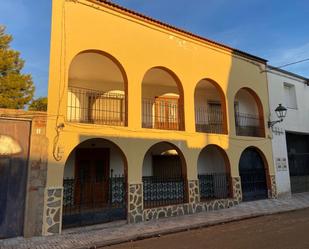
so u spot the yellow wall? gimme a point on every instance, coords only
(139, 45)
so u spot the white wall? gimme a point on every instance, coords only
(210, 161)
(246, 103)
(297, 120)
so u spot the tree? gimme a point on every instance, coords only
(39, 104)
(16, 88)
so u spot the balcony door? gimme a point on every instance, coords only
(167, 113)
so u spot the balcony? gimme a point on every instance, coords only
(209, 121)
(162, 113)
(248, 125)
(249, 114)
(209, 103)
(162, 100)
(96, 107)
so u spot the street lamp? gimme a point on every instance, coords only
(281, 113)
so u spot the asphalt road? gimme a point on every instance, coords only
(282, 231)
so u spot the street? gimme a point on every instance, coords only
(282, 231)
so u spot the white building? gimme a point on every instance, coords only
(290, 139)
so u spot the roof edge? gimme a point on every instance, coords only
(173, 28)
(288, 72)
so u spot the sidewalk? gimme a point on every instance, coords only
(102, 235)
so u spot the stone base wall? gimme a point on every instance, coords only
(193, 206)
(236, 186)
(194, 191)
(187, 208)
(135, 207)
(52, 220)
(272, 193)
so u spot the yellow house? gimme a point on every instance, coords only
(147, 121)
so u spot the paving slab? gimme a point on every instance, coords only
(119, 232)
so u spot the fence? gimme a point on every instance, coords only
(248, 125)
(95, 107)
(161, 191)
(91, 201)
(214, 186)
(208, 121)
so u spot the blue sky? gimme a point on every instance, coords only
(275, 30)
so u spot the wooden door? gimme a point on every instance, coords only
(167, 113)
(92, 177)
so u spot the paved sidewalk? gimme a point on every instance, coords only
(102, 235)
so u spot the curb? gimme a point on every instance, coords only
(183, 229)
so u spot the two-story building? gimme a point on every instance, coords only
(291, 137)
(146, 120)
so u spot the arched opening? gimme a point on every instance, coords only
(94, 184)
(164, 176)
(162, 100)
(210, 108)
(253, 172)
(214, 176)
(249, 117)
(97, 90)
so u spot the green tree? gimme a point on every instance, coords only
(39, 104)
(16, 88)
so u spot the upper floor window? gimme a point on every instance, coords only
(290, 96)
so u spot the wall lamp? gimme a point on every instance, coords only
(281, 114)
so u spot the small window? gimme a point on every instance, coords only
(290, 96)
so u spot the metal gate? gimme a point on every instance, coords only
(252, 174)
(13, 177)
(85, 210)
(298, 155)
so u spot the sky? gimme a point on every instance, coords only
(277, 30)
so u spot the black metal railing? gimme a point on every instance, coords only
(254, 185)
(214, 186)
(299, 172)
(162, 114)
(91, 201)
(248, 125)
(208, 121)
(160, 191)
(96, 107)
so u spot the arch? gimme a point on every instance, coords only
(249, 113)
(162, 100)
(97, 89)
(254, 174)
(164, 175)
(95, 183)
(210, 116)
(214, 173)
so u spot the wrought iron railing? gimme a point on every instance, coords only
(162, 114)
(208, 121)
(90, 201)
(214, 186)
(161, 191)
(248, 125)
(96, 107)
(253, 184)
